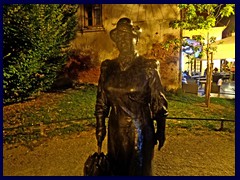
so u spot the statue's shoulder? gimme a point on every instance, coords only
(106, 64)
(150, 63)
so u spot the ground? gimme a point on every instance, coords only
(185, 153)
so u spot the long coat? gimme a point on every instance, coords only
(134, 99)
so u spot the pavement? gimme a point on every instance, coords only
(227, 90)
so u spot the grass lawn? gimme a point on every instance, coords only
(73, 110)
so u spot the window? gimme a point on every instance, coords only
(92, 17)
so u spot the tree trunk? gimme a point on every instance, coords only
(207, 93)
(209, 82)
(209, 74)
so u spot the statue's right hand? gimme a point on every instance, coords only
(100, 135)
(160, 138)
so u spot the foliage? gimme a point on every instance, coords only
(34, 35)
(201, 16)
(80, 60)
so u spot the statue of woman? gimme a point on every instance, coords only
(130, 93)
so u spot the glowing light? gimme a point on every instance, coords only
(134, 40)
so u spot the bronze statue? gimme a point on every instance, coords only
(130, 89)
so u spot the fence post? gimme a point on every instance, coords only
(42, 129)
(221, 128)
(219, 87)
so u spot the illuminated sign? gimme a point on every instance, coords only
(191, 46)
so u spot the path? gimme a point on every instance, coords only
(199, 153)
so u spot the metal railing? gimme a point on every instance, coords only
(222, 120)
(41, 125)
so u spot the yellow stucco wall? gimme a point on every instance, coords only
(213, 32)
(154, 22)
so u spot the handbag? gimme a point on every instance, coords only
(97, 164)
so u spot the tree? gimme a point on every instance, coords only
(203, 16)
(34, 36)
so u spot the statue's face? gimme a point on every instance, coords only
(126, 43)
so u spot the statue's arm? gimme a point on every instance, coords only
(158, 102)
(102, 106)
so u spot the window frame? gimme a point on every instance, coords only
(93, 23)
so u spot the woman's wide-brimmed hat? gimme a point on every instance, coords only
(124, 25)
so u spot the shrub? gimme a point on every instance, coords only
(34, 36)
